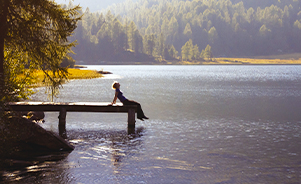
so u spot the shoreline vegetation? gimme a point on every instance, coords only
(284, 59)
(246, 61)
(74, 73)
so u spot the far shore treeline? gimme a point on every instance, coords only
(156, 30)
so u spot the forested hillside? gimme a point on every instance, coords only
(175, 29)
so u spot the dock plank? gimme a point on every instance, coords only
(64, 107)
(71, 106)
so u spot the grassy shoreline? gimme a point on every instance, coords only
(252, 61)
(74, 74)
(83, 74)
(283, 59)
(215, 61)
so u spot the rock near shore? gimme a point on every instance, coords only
(23, 135)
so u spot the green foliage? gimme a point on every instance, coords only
(17, 77)
(33, 34)
(196, 53)
(207, 53)
(53, 80)
(173, 53)
(106, 37)
(212, 35)
(190, 52)
(153, 27)
(188, 31)
(187, 51)
(231, 27)
(68, 62)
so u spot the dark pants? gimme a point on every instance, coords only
(140, 113)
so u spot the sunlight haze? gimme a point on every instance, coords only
(93, 5)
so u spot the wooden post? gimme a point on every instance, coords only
(131, 121)
(62, 123)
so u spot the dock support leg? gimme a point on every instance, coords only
(62, 123)
(131, 121)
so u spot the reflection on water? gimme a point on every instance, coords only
(31, 168)
(208, 124)
(94, 149)
(107, 145)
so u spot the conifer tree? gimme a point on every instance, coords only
(36, 32)
(131, 35)
(207, 53)
(173, 52)
(187, 51)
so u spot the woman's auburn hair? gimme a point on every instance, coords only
(114, 85)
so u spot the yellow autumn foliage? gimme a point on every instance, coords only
(38, 76)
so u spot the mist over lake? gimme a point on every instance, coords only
(208, 124)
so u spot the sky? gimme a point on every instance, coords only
(94, 5)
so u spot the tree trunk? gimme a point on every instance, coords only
(3, 33)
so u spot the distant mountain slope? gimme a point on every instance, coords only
(262, 3)
(182, 30)
(98, 5)
(126, 7)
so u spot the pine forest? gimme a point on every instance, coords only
(188, 30)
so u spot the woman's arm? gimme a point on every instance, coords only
(115, 98)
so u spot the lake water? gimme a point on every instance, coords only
(208, 124)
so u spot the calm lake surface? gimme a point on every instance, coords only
(208, 124)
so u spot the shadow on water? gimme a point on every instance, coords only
(106, 147)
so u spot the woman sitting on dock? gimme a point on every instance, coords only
(125, 101)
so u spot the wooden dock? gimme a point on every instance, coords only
(63, 108)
